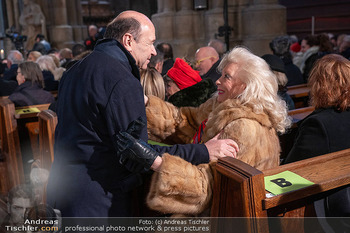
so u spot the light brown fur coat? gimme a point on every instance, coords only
(187, 189)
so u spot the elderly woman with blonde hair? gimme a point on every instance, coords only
(245, 109)
(51, 73)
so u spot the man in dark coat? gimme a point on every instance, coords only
(99, 97)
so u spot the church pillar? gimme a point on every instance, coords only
(61, 33)
(163, 21)
(75, 19)
(260, 25)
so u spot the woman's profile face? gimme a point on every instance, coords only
(20, 77)
(229, 84)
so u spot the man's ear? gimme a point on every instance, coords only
(127, 41)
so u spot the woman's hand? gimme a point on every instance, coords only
(221, 148)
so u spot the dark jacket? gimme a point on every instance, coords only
(293, 73)
(325, 131)
(7, 87)
(50, 83)
(167, 64)
(30, 94)
(194, 95)
(213, 74)
(98, 97)
(11, 74)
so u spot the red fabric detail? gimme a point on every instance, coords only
(88, 42)
(183, 74)
(295, 47)
(198, 136)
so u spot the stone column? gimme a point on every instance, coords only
(75, 19)
(61, 33)
(186, 30)
(263, 21)
(163, 21)
(214, 18)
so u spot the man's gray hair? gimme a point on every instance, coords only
(15, 57)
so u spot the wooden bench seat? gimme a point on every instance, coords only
(239, 189)
(299, 94)
(12, 127)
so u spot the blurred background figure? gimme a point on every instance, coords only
(51, 73)
(90, 42)
(14, 58)
(33, 55)
(345, 47)
(157, 61)
(280, 46)
(206, 62)
(167, 50)
(180, 76)
(41, 45)
(30, 86)
(65, 56)
(218, 45)
(278, 68)
(152, 83)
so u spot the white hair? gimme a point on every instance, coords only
(261, 90)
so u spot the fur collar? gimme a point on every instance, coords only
(228, 111)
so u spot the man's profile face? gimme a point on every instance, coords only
(17, 209)
(203, 62)
(143, 49)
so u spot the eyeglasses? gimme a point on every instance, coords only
(203, 59)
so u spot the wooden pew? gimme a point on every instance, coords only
(47, 126)
(239, 190)
(299, 94)
(12, 127)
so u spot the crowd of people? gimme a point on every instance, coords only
(127, 91)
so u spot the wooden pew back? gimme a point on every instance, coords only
(12, 126)
(299, 94)
(239, 182)
(47, 126)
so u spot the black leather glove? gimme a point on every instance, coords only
(135, 154)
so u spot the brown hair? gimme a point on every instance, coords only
(32, 72)
(330, 82)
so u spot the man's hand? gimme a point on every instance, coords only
(221, 148)
(146, 99)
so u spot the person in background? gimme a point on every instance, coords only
(66, 56)
(78, 49)
(345, 47)
(278, 68)
(218, 45)
(180, 76)
(327, 129)
(14, 58)
(167, 50)
(33, 55)
(280, 46)
(206, 62)
(157, 61)
(91, 41)
(152, 83)
(41, 45)
(30, 86)
(51, 73)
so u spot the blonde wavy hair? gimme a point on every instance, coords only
(152, 83)
(261, 90)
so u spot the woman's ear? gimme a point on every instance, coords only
(127, 41)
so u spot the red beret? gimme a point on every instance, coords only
(295, 47)
(183, 74)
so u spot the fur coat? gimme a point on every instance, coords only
(180, 187)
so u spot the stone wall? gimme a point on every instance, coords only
(254, 23)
